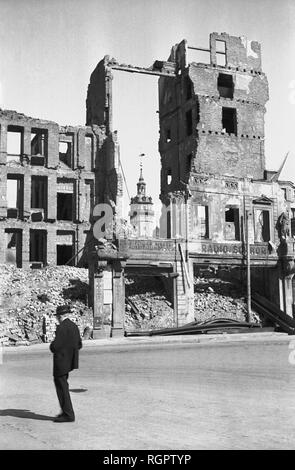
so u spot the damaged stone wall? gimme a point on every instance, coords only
(53, 169)
(99, 115)
(192, 106)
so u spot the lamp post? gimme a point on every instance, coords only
(248, 264)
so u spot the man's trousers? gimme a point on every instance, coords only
(63, 394)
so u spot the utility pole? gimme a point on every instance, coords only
(248, 263)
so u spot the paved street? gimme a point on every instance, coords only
(224, 395)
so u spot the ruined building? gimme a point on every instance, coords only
(221, 207)
(220, 203)
(213, 160)
(46, 190)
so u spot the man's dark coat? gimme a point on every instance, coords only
(65, 348)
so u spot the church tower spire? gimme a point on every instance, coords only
(141, 209)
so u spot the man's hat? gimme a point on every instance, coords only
(62, 309)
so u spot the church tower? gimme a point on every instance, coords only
(141, 210)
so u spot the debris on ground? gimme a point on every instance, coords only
(218, 298)
(28, 299)
(147, 304)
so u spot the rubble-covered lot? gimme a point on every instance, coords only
(153, 309)
(218, 298)
(28, 299)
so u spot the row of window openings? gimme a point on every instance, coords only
(229, 123)
(204, 56)
(39, 146)
(39, 198)
(38, 248)
(232, 224)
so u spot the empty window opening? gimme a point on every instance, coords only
(64, 255)
(203, 221)
(65, 206)
(15, 196)
(220, 46)
(229, 120)
(189, 122)
(200, 221)
(168, 135)
(65, 248)
(168, 176)
(232, 226)
(38, 146)
(198, 55)
(262, 225)
(220, 53)
(225, 85)
(14, 142)
(39, 193)
(89, 153)
(65, 153)
(38, 246)
(13, 244)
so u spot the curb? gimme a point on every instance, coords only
(110, 343)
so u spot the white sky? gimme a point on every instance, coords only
(48, 49)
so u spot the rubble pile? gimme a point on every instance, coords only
(28, 299)
(217, 298)
(147, 304)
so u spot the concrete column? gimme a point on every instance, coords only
(27, 141)
(51, 245)
(3, 144)
(3, 192)
(53, 146)
(27, 194)
(26, 248)
(97, 303)
(118, 300)
(81, 148)
(52, 197)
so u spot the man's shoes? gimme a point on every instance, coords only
(63, 419)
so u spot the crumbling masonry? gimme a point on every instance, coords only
(47, 189)
(218, 197)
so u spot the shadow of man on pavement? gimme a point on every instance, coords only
(25, 414)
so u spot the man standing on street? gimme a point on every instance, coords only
(65, 348)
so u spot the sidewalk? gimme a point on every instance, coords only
(161, 340)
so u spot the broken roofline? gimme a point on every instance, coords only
(178, 57)
(16, 119)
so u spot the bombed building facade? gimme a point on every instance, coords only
(47, 189)
(221, 207)
(213, 160)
